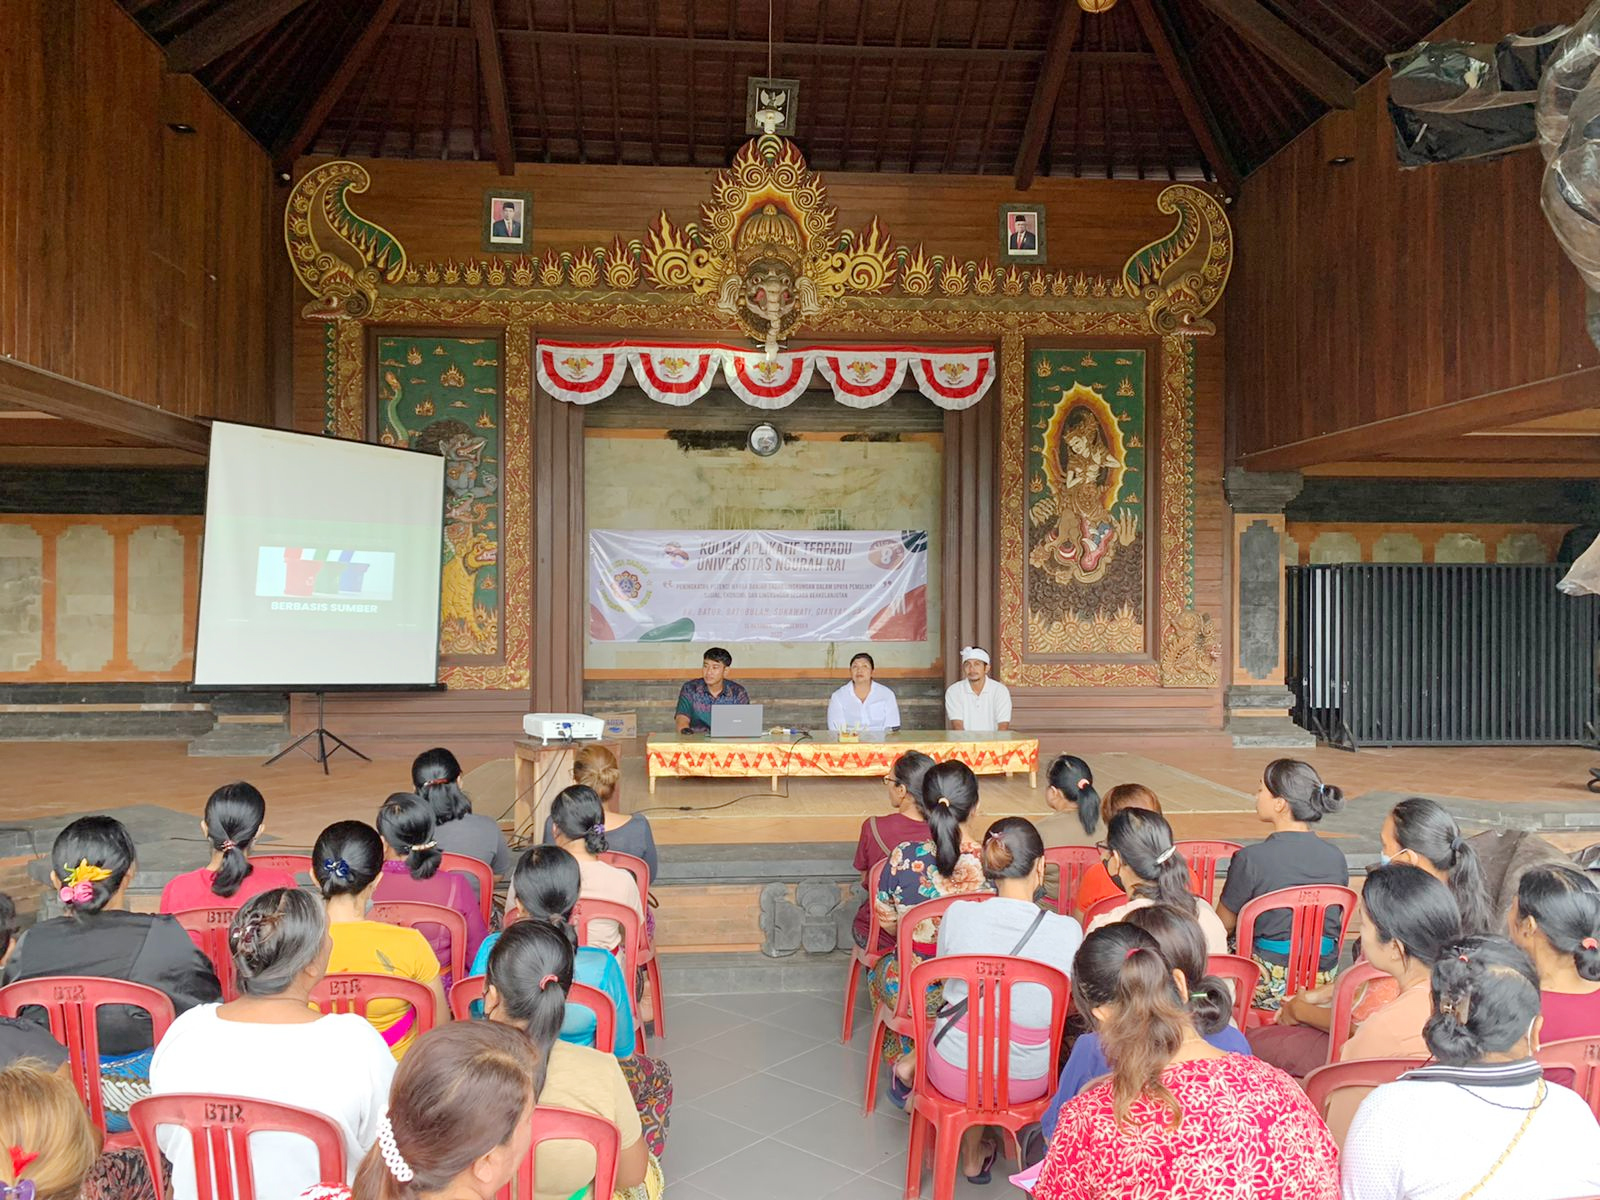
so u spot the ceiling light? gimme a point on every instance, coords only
(180, 127)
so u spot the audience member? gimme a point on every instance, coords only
(1182, 947)
(947, 864)
(436, 775)
(19, 1037)
(1178, 1118)
(1143, 862)
(411, 859)
(49, 1150)
(234, 818)
(1013, 863)
(1481, 1120)
(347, 863)
(881, 833)
(580, 830)
(93, 866)
(270, 1044)
(595, 768)
(1291, 799)
(1556, 921)
(1074, 811)
(1098, 884)
(530, 970)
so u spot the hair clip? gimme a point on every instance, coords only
(438, 782)
(22, 1189)
(1132, 950)
(76, 883)
(396, 1162)
(546, 980)
(428, 845)
(21, 1159)
(944, 801)
(1589, 943)
(1166, 854)
(337, 867)
(599, 826)
(78, 893)
(1462, 958)
(228, 844)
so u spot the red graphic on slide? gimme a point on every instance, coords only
(904, 621)
(321, 577)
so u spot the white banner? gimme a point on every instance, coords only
(706, 585)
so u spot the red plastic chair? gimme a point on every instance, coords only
(470, 991)
(863, 958)
(552, 1124)
(1071, 863)
(357, 991)
(480, 874)
(586, 912)
(1581, 1056)
(296, 864)
(1368, 1073)
(219, 1130)
(640, 870)
(1102, 906)
(208, 929)
(72, 1003)
(1344, 1003)
(1308, 906)
(1203, 858)
(1244, 974)
(943, 1119)
(464, 993)
(413, 914)
(898, 1019)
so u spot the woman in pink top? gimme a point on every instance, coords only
(232, 822)
(579, 821)
(1556, 919)
(411, 872)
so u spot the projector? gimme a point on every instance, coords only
(563, 727)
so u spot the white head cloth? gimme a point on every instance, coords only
(976, 652)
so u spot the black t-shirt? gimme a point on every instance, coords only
(21, 1038)
(1290, 858)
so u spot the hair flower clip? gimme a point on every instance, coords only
(77, 884)
(337, 867)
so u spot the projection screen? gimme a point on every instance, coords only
(320, 567)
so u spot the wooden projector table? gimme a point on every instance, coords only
(699, 756)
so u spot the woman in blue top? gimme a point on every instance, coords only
(1183, 947)
(545, 885)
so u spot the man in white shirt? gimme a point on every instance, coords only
(863, 703)
(977, 703)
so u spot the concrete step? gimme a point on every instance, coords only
(703, 974)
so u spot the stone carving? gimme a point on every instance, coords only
(813, 915)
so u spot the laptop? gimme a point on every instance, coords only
(736, 721)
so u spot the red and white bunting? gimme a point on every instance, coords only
(954, 379)
(862, 378)
(675, 374)
(763, 384)
(580, 374)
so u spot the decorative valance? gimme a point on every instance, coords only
(861, 376)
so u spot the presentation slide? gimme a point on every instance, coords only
(321, 563)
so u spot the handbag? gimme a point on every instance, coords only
(954, 1012)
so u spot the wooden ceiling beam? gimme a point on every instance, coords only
(44, 391)
(1297, 57)
(1052, 74)
(230, 26)
(1191, 100)
(293, 146)
(491, 67)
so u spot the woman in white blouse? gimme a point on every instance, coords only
(863, 703)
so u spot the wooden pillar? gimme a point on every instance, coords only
(971, 571)
(559, 608)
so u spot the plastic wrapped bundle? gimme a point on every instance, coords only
(1571, 192)
(1584, 577)
(1565, 76)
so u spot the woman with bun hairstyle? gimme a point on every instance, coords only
(596, 768)
(947, 864)
(1098, 883)
(1292, 798)
(271, 1044)
(1010, 924)
(411, 858)
(234, 817)
(580, 829)
(1556, 921)
(92, 866)
(1480, 1120)
(347, 864)
(1177, 1118)
(1075, 807)
(881, 833)
(1143, 861)
(436, 776)
(530, 970)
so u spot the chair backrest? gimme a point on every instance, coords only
(874, 926)
(991, 984)
(586, 912)
(1344, 1004)
(296, 864)
(905, 950)
(464, 993)
(1308, 908)
(414, 913)
(356, 991)
(637, 867)
(1071, 863)
(1203, 858)
(1581, 1056)
(1322, 1083)
(468, 992)
(72, 1003)
(551, 1124)
(219, 1130)
(1102, 906)
(482, 876)
(208, 929)
(1244, 974)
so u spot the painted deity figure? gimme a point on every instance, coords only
(1086, 530)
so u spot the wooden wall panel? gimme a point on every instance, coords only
(136, 258)
(1370, 302)
(560, 612)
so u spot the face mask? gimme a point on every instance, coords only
(1383, 859)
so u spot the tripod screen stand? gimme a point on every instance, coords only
(326, 742)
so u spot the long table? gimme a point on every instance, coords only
(700, 756)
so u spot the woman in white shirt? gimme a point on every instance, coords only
(270, 1044)
(863, 703)
(1481, 1120)
(1141, 859)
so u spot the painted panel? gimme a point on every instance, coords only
(85, 598)
(21, 598)
(155, 605)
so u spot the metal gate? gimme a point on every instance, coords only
(1414, 654)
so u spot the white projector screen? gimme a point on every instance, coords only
(321, 563)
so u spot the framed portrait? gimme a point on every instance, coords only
(507, 221)
(1021, 233)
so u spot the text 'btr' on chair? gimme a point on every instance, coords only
(219, 1128)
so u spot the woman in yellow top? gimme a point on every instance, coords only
(347, 862)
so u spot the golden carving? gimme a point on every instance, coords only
(1181, 276)
(341, 288)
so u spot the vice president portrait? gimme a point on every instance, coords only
(863, 703)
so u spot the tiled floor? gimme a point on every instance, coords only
(767, 1104)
